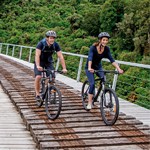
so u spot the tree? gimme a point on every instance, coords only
(91, 23)
(111, 12)
(75, 21)
(135, 26)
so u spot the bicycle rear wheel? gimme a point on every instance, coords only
(84, 94)
(53, 102)
(109, 106)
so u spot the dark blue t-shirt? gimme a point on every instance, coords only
(96, 58)
(47, 51)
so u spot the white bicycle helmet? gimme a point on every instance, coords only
(51, 33)
(103, 34)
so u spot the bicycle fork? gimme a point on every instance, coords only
(101, 95)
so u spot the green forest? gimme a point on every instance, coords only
(78, 23)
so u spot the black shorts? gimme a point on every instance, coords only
(45, 66)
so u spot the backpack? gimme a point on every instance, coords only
(44, 43)
(44, 51)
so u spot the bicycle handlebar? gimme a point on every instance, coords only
(107, 71)
(52, 71)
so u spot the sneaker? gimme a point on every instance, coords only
(89, 106)
(38, 98)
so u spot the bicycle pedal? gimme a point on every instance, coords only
(39, 101)
(53, 91)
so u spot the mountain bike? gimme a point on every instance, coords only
(50, 94)
(106, 96)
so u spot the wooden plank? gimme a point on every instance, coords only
(16, 141)
(89, 143)
(15, 135)
(17, 147)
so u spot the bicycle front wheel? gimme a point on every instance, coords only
(53, 102)
(42, 86)
(109, 106)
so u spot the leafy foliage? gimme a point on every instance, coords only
(77, 23)
(135, 27)
(111, 13)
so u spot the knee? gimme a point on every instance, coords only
(37, 78)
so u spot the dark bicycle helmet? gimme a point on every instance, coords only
(103, 34)
(51, 33)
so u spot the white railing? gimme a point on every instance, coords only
(5, 49)
(13, 49)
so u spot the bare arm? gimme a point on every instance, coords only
(117, 67)
(61, 58)
(37, 59)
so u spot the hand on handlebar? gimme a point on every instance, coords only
(64, 70)
(120, 71)
(39, 68)
(91, 70)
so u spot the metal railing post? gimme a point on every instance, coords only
(7, 49)
(1, 48)
(13, 51)
(30, 55)
(115, 81)
(79, 69)
(20, 52)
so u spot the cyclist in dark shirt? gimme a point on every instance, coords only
(43, 58)
(97, 52)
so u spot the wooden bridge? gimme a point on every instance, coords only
(75, 128)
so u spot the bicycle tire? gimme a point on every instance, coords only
(53, 102)
(111, 117)
(84, 94)
(40, 103)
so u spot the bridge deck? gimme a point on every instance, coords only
(75, 128)
(126, 107)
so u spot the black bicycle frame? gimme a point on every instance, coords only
(99, 89)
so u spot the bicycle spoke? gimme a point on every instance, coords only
(53, 103)
(109, 107)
